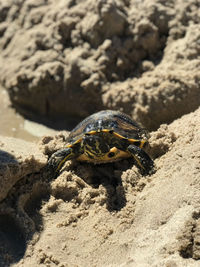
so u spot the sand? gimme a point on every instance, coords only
(106, 215)
(65, 60)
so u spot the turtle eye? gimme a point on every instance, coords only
(111, 131)
(111, 154)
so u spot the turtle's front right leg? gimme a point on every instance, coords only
(58, 158)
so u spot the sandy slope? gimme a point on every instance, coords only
(110, 215)
(71, 58)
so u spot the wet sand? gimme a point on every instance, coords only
(15, 125)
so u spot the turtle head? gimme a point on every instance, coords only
(95, 146)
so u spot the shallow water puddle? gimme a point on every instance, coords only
(14, 125)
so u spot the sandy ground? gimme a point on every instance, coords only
(65, 60)
(106, 215)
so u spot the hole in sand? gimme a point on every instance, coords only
(12, 241)
(66, 194)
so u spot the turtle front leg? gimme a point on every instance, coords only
(58, 158)
(142, 159)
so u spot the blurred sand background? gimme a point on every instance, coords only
(60, 62)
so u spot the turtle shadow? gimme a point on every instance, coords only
(109, 177)
(116, 198)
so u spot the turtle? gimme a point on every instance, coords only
(104, 137)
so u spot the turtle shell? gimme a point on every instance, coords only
(118, 122)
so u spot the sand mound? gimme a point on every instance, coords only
(62, 59)
(17, 159)
(109, 215)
